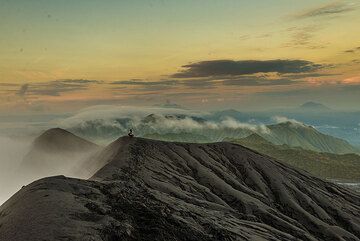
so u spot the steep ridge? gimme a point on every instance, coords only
(153, 190)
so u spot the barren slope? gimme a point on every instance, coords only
(152, 190)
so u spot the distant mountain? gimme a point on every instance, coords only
(102, 130)
(219, 115)
(306, 137)
(56, 150)
(314, 106)
(289, 133)
(153, 118)
(153, 190)
(187, 128)
(60, 140)
(324, 165)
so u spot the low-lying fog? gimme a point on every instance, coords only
(12, 152)
(16, 170)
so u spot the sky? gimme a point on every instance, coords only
(61, 55)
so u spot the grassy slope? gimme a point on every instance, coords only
(324, 165)
(308, 138)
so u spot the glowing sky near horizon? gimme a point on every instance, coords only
(53, 53)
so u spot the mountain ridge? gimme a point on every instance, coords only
(307, 137)
(152, 190)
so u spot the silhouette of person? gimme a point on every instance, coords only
(131, 133)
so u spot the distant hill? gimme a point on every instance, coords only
(56, 151)
(314, 106)
(152, 190)
(306, 137)
(218, 115)
(60, 140)
(324, 165)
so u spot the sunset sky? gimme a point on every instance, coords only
(63, 55)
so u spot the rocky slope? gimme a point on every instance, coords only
(152, 190)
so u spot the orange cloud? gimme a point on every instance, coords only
(352, 80)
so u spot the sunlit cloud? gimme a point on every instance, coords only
(284, 119)
(352, 80)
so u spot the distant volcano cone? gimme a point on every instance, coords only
(56, 150)
(58, 139)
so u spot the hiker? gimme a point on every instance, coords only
(131, 133)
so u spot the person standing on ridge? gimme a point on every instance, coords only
(131, 133)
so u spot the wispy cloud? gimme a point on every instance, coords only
(143, 82)
(303, 37)
(200, 83)
(207, 83)
(284, 119)
(166, 84)
(147, 85)
(258, 81)
(331, 9)
(7, 84)
(353, 50)
(55, 88)
(308, 75)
